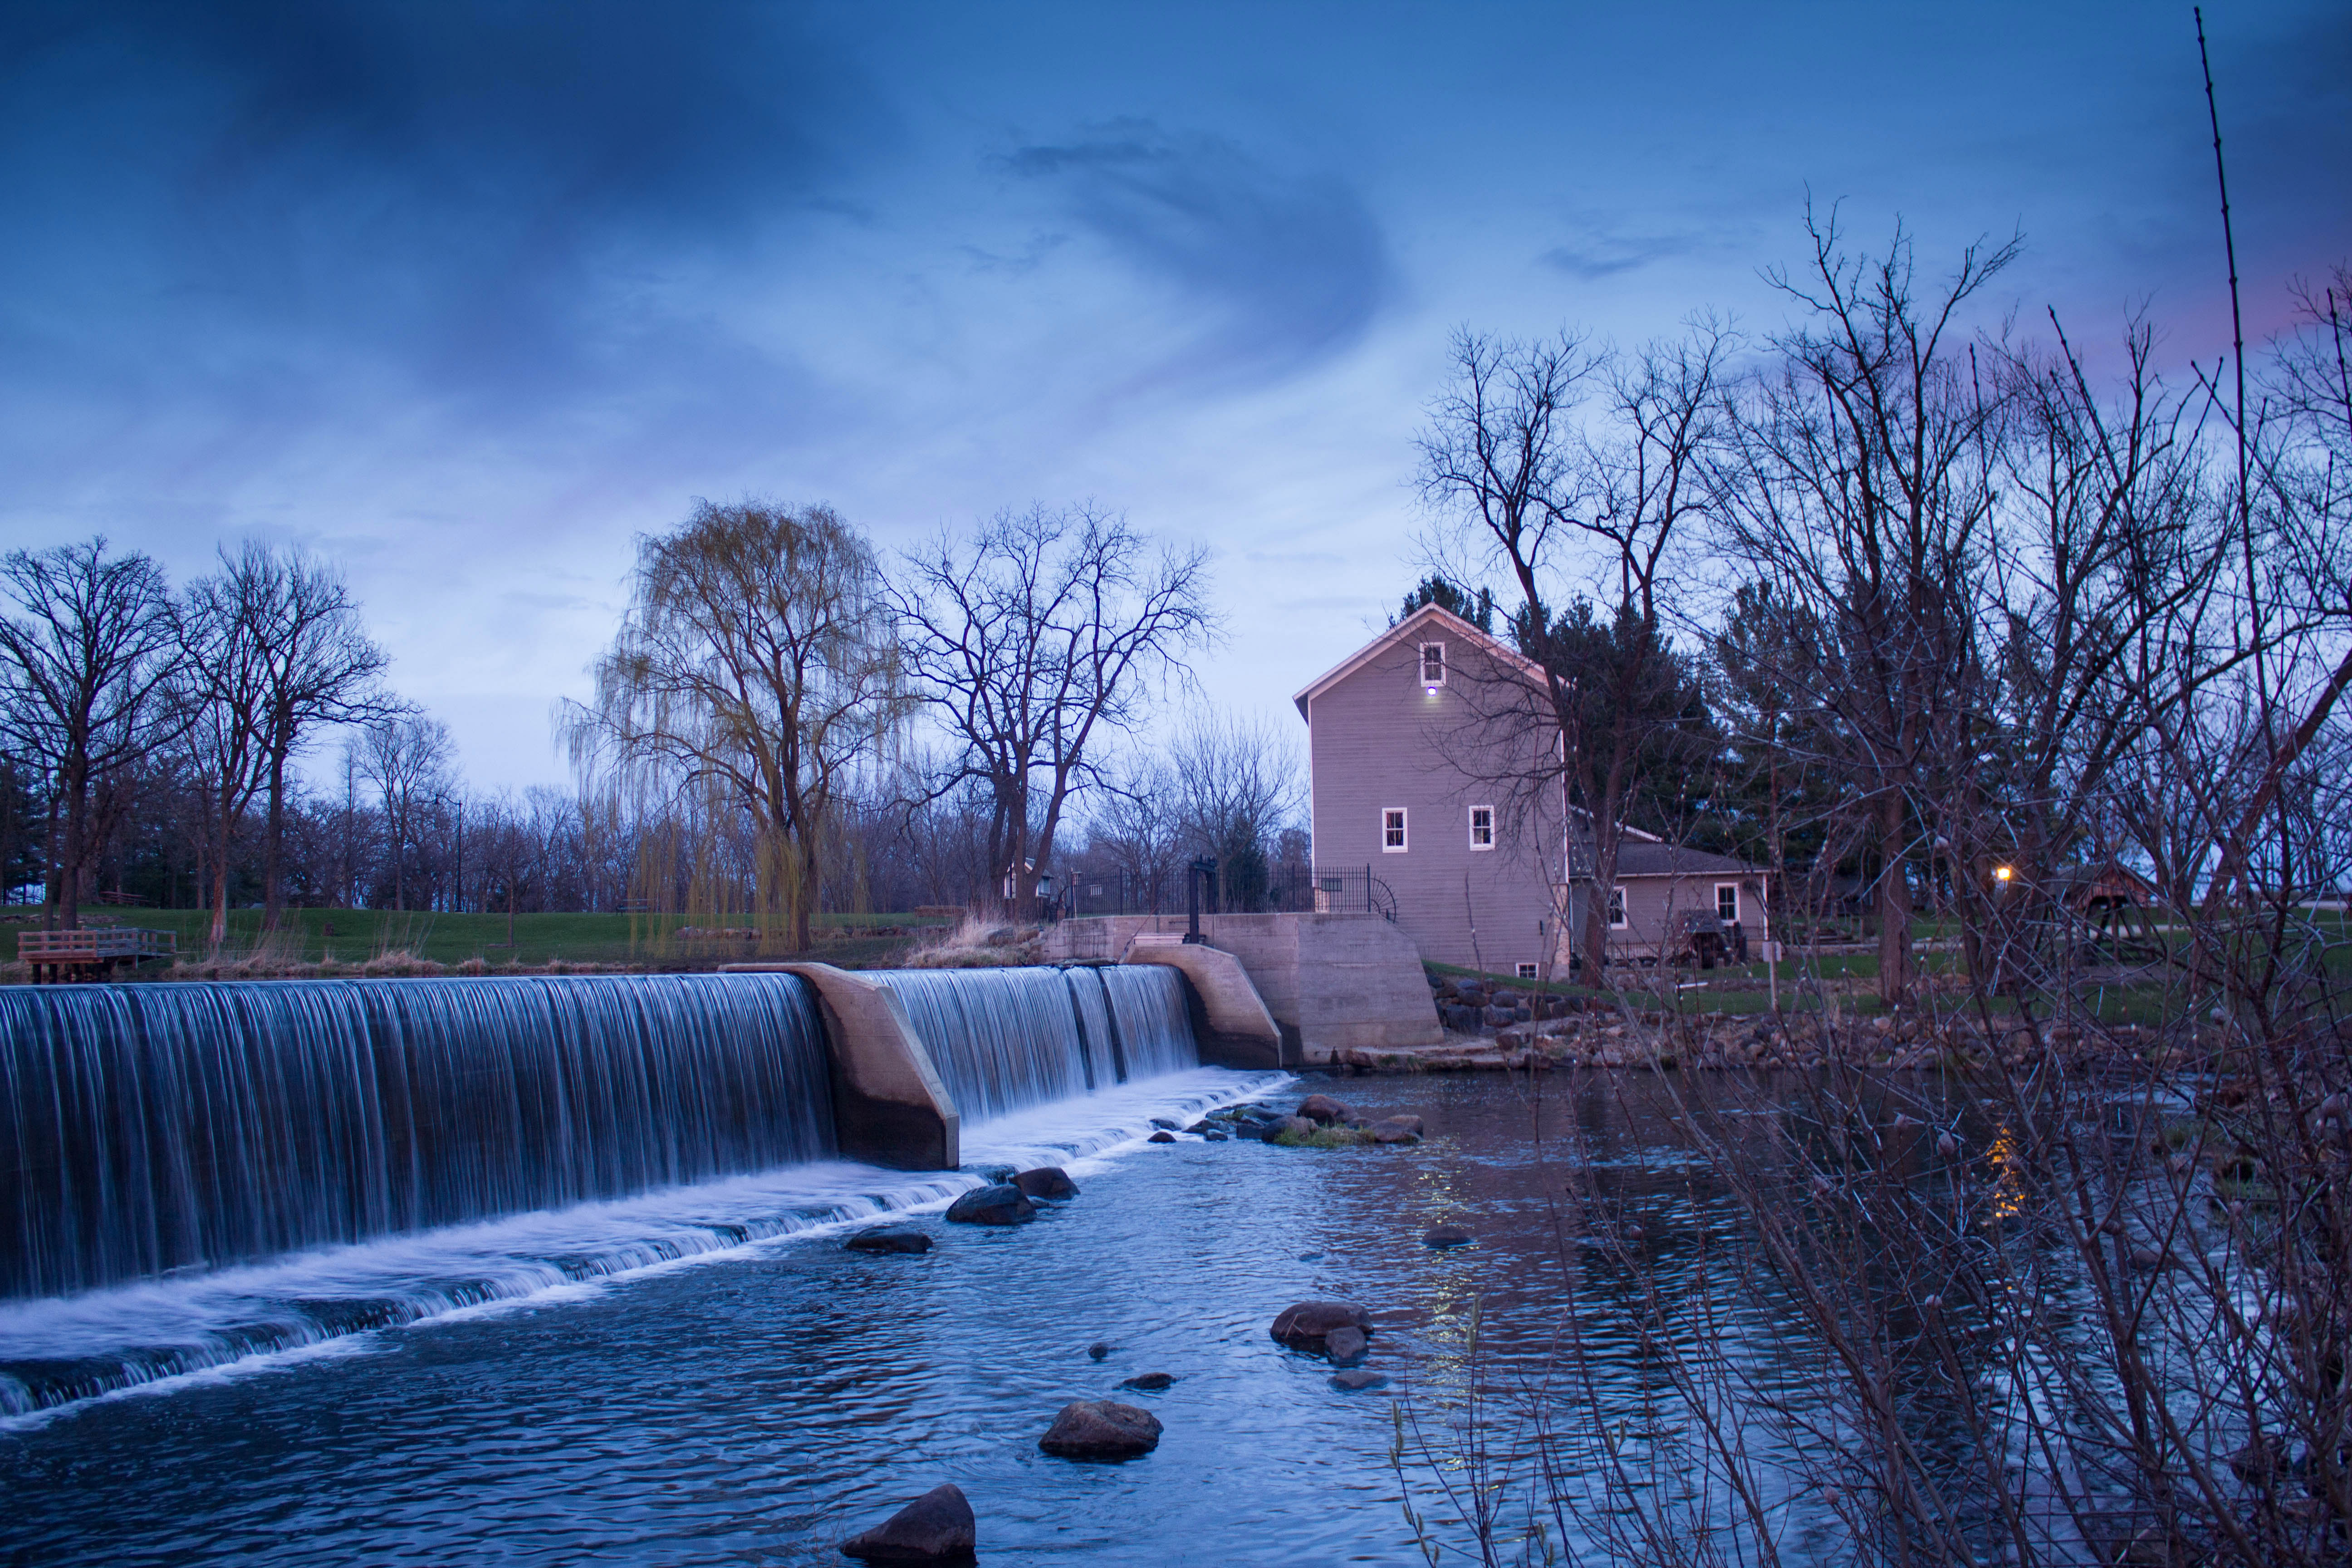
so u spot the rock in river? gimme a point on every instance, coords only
(1046, 1182)
(1002, 1204)
(937, 1527)
(1357, 1381)
(890, 1238)
(1101, 1429)
(1162, 1136)
(1445, 1235)
(1322, 1107)
(1150, 1382)
(1303, 1327)
(1346, 1344)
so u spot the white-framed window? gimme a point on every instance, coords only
(1482, 828)
(1527, 972)
(1433, 664)
(1617, 908)
(1391, 830)
(1727, 902)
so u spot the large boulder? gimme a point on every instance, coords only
(1050, 1182)
(1307, 1325)
(1396, 1130)
(888, 1238)
(937, 1527)
(1001, 1204)
(1101, 1429)
(1322, 1107)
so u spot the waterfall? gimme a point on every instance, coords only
(1155, 1021)
(145, 1129)
(1005, 1039)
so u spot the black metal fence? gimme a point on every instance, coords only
(1329, 890)
(1287, 889)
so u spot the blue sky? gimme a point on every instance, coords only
(465, 297)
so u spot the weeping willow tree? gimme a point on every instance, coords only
(755, 673)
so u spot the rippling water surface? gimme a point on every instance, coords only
(758, 1403)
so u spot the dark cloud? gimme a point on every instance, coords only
(252, 201)
(1606, 256)
(1280, 269)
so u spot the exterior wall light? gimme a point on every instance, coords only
(2003, 873)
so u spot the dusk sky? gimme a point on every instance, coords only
(464, 298)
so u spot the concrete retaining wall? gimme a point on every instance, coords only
(889, 1107)
(1331, 983)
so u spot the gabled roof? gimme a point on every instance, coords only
(1429, 617)
(1654, 860)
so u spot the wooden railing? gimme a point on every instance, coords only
(96, 945)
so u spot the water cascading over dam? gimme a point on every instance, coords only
(152, 1129)
(1006, 1039)
(145, 1129)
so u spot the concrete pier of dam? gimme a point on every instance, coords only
(889, 1107)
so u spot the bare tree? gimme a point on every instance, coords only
(1137, 830)
(87, 657)
(225, 686)
(1238, 785)
(1554, 498)
(320, 669)
(1043, 637)
(757, 658)
(1864, 494)
(407, 759)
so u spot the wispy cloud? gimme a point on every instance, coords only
(1279, 269)
(1607, 255)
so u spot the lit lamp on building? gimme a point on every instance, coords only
(2002, 876)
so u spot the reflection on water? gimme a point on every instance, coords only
(765, 1402)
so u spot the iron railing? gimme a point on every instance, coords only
(1286, 889)
(1329, 890)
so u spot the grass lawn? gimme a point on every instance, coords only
(355, 936)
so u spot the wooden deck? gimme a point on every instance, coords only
(92, 952)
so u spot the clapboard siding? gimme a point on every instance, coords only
(1377, 738)
(1653, 902)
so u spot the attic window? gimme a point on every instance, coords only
(1433, 664)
